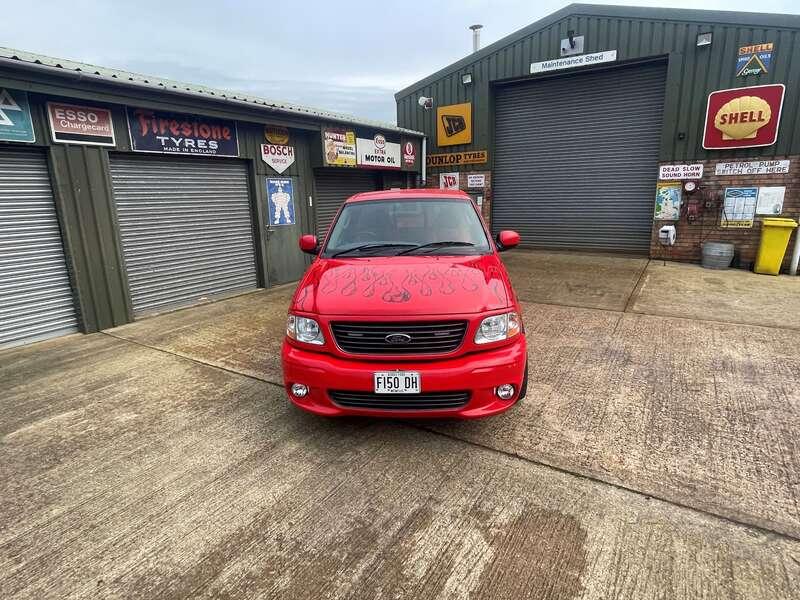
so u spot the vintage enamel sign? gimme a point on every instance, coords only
(743, 117)
(277, 156)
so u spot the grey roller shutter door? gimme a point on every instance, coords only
(576, 159)
(333, 187)
(36, 300)
(186, 229)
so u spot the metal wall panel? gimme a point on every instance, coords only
(186, 229)
(36, 300)
(636, 34)
(576, 157)
(333, 187)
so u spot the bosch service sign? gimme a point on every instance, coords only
(377, 153)
(173, 133)
(277, 156)
(743, 117)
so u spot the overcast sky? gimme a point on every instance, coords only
(347, 56)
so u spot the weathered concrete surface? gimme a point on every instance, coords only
(733, 295)
(242, 333)
(703, 414)
(591, 281)
(127, 472)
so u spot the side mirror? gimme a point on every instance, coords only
(506, 240)
(308, 244)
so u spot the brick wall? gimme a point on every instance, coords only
(707, 227)
(486, 192)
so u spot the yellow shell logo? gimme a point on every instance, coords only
(741, 118)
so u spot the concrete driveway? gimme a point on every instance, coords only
(656, 456)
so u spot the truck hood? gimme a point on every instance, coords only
(402, 286)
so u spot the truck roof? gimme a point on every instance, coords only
(410, 194)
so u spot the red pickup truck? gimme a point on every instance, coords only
(406, 311)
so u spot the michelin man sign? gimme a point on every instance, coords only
(280, 201)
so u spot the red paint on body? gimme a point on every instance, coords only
(407, 289)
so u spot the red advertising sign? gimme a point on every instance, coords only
(743, 117)
(409, 154)
(73, 124)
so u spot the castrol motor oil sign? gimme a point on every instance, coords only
(743, 117)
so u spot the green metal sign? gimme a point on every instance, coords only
(16, 124)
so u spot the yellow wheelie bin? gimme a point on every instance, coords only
(775, 234)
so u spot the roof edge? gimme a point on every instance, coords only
(725, 17)
(72, 70)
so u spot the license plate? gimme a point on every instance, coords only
(397, 382)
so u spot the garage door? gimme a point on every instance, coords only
(576, 159)
(36, 299)
(186, 229)
(333, 187)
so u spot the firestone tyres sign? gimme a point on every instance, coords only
(175, 133)
(378, 153)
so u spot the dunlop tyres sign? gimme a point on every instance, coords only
(456, 159)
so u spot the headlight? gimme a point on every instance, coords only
(497, 328)
(305, 330)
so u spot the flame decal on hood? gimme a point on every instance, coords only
(461, 285)
(368, 281)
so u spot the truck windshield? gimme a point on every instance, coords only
(408, 227)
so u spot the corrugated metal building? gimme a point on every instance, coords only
(123, 195)
(567, 129)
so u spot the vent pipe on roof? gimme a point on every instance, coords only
(476, 37)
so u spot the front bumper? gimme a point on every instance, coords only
(479, 373)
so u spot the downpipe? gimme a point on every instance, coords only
(424, 160)
(795, 253)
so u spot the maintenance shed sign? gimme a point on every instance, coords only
(16, 124)
(174, 133)
(582, 60)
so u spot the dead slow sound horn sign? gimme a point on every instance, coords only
(743, 117)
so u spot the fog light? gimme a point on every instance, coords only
(299, 390)
(505, 391)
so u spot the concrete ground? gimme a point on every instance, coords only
(655, 457)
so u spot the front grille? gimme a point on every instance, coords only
(429, 401)
(431, 337)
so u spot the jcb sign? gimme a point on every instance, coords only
(454, 124)
(448, 181)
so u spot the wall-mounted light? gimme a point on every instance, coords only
(704, 39)
(425, 103)
(466, 78)
(571, 38)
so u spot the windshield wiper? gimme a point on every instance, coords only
(437, 245)
(371, 247)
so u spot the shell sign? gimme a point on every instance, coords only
(743, 117)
